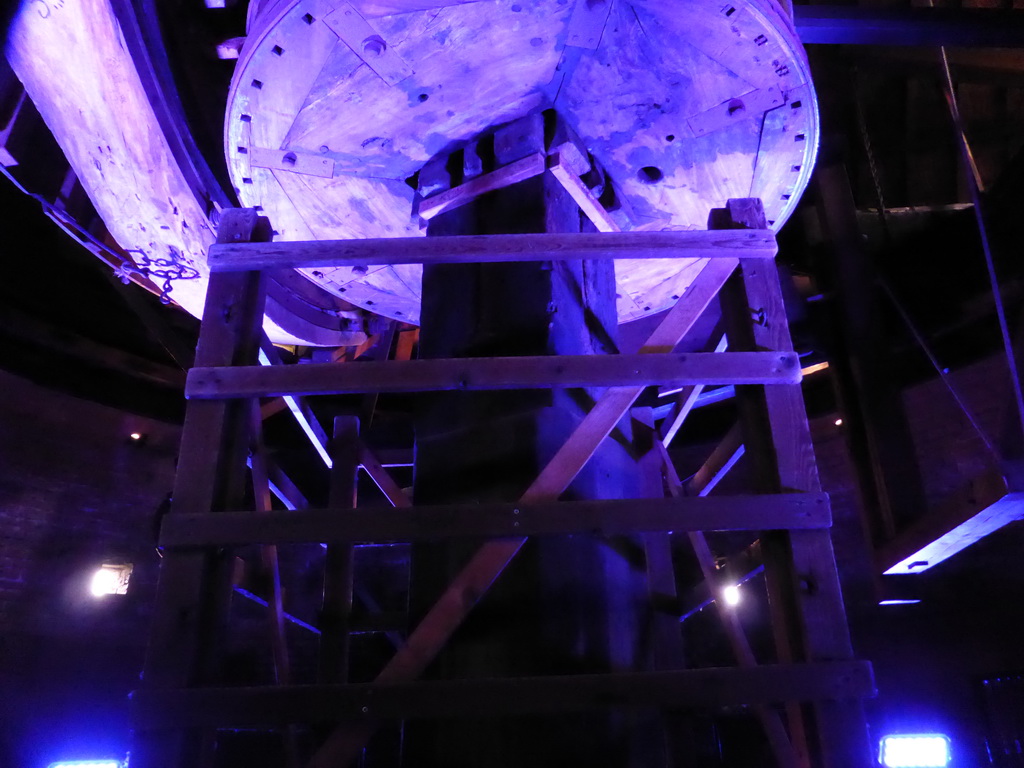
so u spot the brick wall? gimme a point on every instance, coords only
(75, 490)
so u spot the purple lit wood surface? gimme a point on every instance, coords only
(670, 369)
(638, 78)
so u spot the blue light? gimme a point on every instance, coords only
(86, 764)
(914, 750)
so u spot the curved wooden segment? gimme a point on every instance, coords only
(79, 74)
(686, 105)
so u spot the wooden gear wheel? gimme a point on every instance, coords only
(334, 106)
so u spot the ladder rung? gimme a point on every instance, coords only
(536, 372)
(687, 689)
(474, 249)
(499, 520)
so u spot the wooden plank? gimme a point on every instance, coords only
(581, 193)
(709, 688)
(528, 372)
(980, 508)
(268, 552)
(391, 490)
(468, 249)
(349, 25)
(300, 410)
(688, 396)
(800, 567)
(293, 162)
(722, 459)
(495, 520)
(336, 612)
(520, 170)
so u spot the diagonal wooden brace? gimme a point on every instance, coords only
(426, 641)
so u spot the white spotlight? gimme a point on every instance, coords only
(731, 595)
(914, 750)
(110, 579)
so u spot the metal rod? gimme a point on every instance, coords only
(974, 187)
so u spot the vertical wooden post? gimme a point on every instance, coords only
(335, 617)
(803, 584)
(194, 586)
(877, 427)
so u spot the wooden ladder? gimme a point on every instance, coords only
(815, 675)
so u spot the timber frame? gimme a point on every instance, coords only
(815, 675)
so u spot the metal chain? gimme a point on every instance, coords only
(865, 138)
(167, 269)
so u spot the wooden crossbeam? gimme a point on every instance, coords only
(685, 689)
(476, 577)
(520, 170)
(494, 520)
(477, 249)
(382, 478)
(534, 372)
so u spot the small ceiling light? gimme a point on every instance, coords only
(839, 422)
(110, 579)
(914, 750)
(731, 595)
(135, 435)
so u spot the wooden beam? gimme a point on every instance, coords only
(687, 398)
(470, 249)
(582, 195)
(301, 412)
(339, 561)
(487, 564)
(391, 490)
(520, 170)
(982, 507)
(194, 587)
(494, 520)
(770, 721)
(268, 551)
(800, 568)
(723, 458)
(535, 372)
(710, 688)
